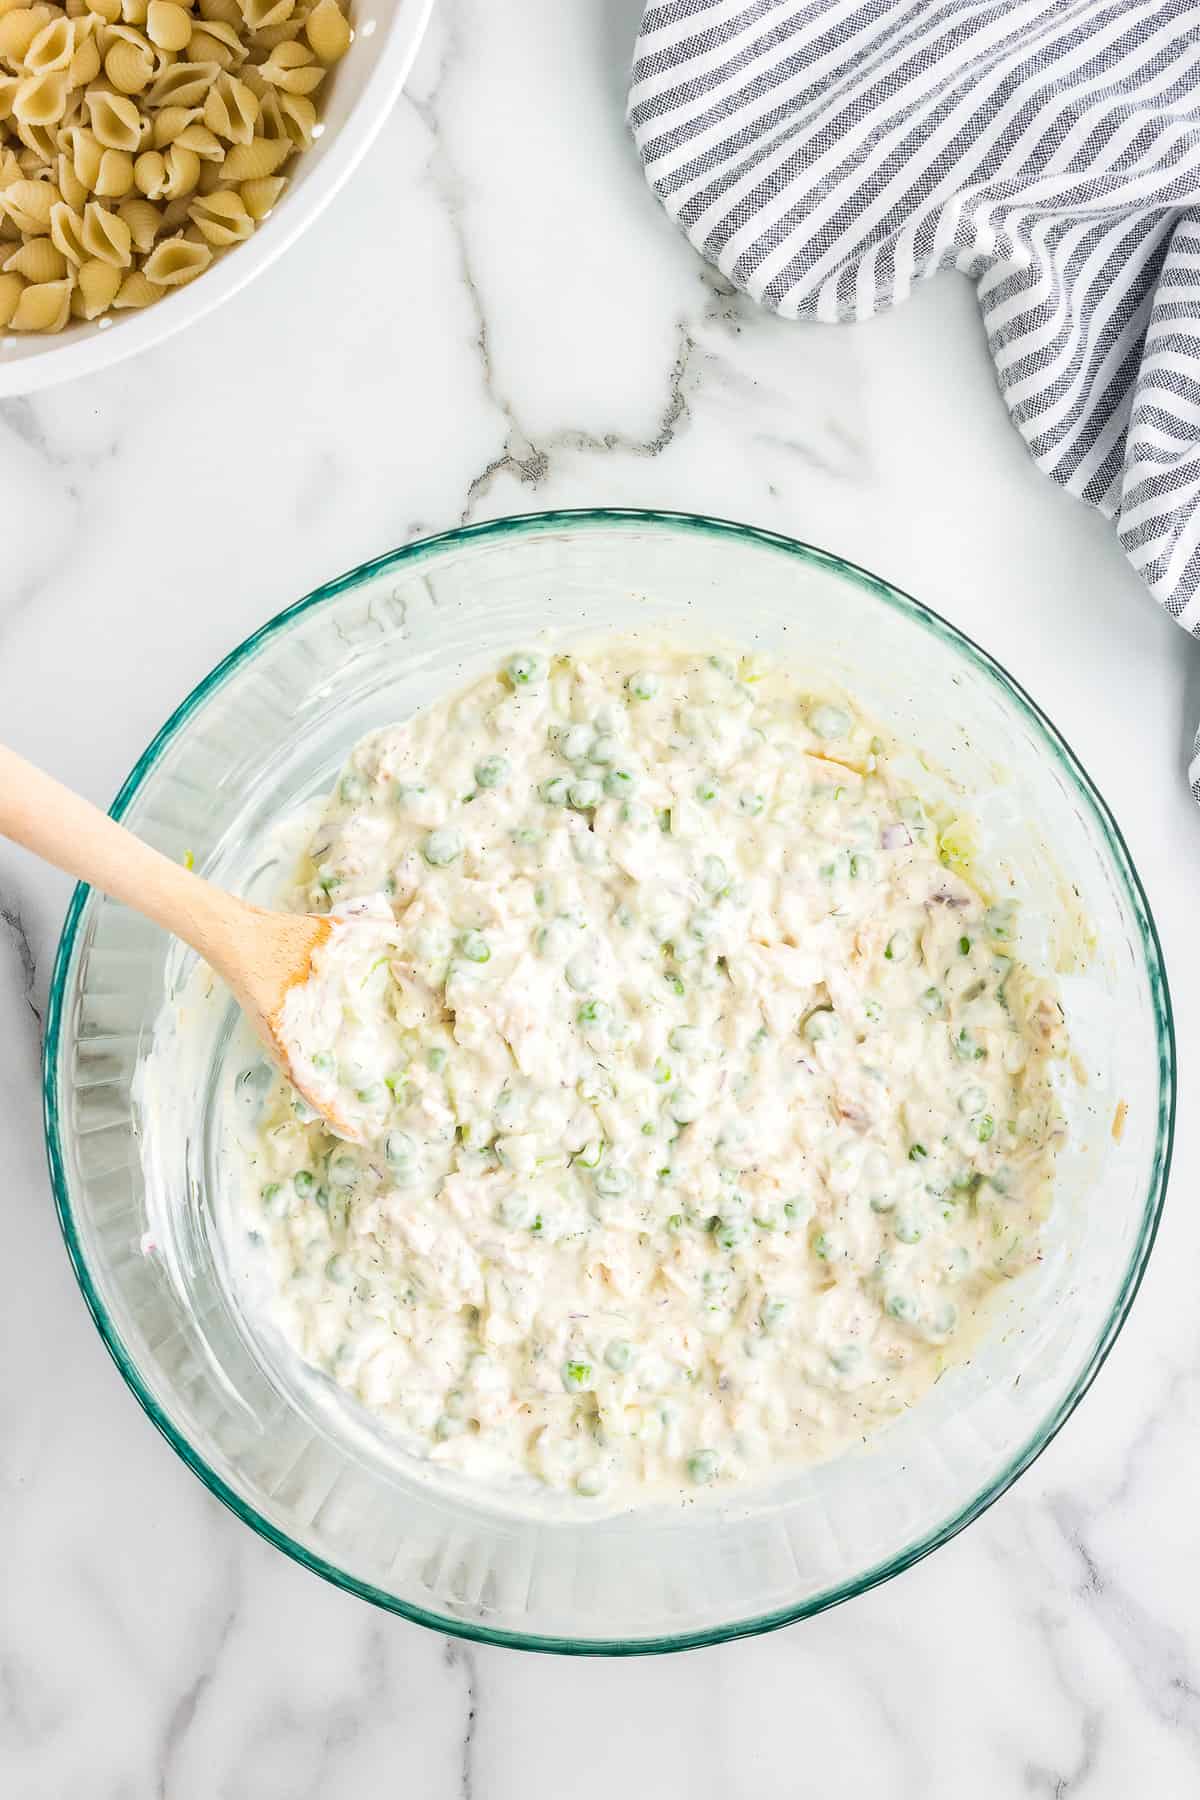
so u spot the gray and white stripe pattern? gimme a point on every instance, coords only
(827, 154)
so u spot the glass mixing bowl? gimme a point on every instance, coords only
(137, 1196)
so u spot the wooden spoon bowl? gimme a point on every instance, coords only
(260, 955)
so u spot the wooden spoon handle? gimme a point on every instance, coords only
(40, 814)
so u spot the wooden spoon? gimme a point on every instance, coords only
(259, 955)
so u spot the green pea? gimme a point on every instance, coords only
(846, 1358)
(590, 1483)
(436, 1060)
(592, 1012)
(476, 1134)
(931, 1001)
(661, 1072)
(707, 790)
(605, 749)
(555, 791)
(702, 1466)
(750, 804)
(584, 794)
(872, 1011)
(492, 771)
(774, 1312)
(576, 743)
(999, 920)
(619, 1355)
(580, 971)
(589, 1156)
(900, 1306)
(985, 1128)
(714, 876)
(829, 721)
(683, 1106)
(702, 925)
(972, 1100)
(822, 1024)
(525, 668)
(685, 1039)
(323, 1061)
(643, 685)
(609, 1181)
(516, 1211)
(399, 1148)
(441, 847)
(967, 1047)
(618, 782)
(964, 946)
(907, 1230)
(730, 1234)
(304, 1181)
(506, 1105)
(576, 1376)
(351, 789)
(343, 1170)
(474, 947)
(898, 946)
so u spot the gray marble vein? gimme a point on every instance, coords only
(461, 1658)
(12, 924)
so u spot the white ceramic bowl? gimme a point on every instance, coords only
(361, 93)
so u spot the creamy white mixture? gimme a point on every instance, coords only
(703, 1099)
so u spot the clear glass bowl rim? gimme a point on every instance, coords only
(582, 519)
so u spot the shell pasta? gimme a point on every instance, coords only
(141, 139)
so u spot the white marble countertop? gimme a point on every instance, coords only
(496, 317)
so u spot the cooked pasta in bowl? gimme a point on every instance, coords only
(152, 146)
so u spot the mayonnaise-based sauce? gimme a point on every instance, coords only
(703, 1098)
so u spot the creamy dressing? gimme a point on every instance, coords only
(703, 1099)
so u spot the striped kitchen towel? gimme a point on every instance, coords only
(827, 154)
